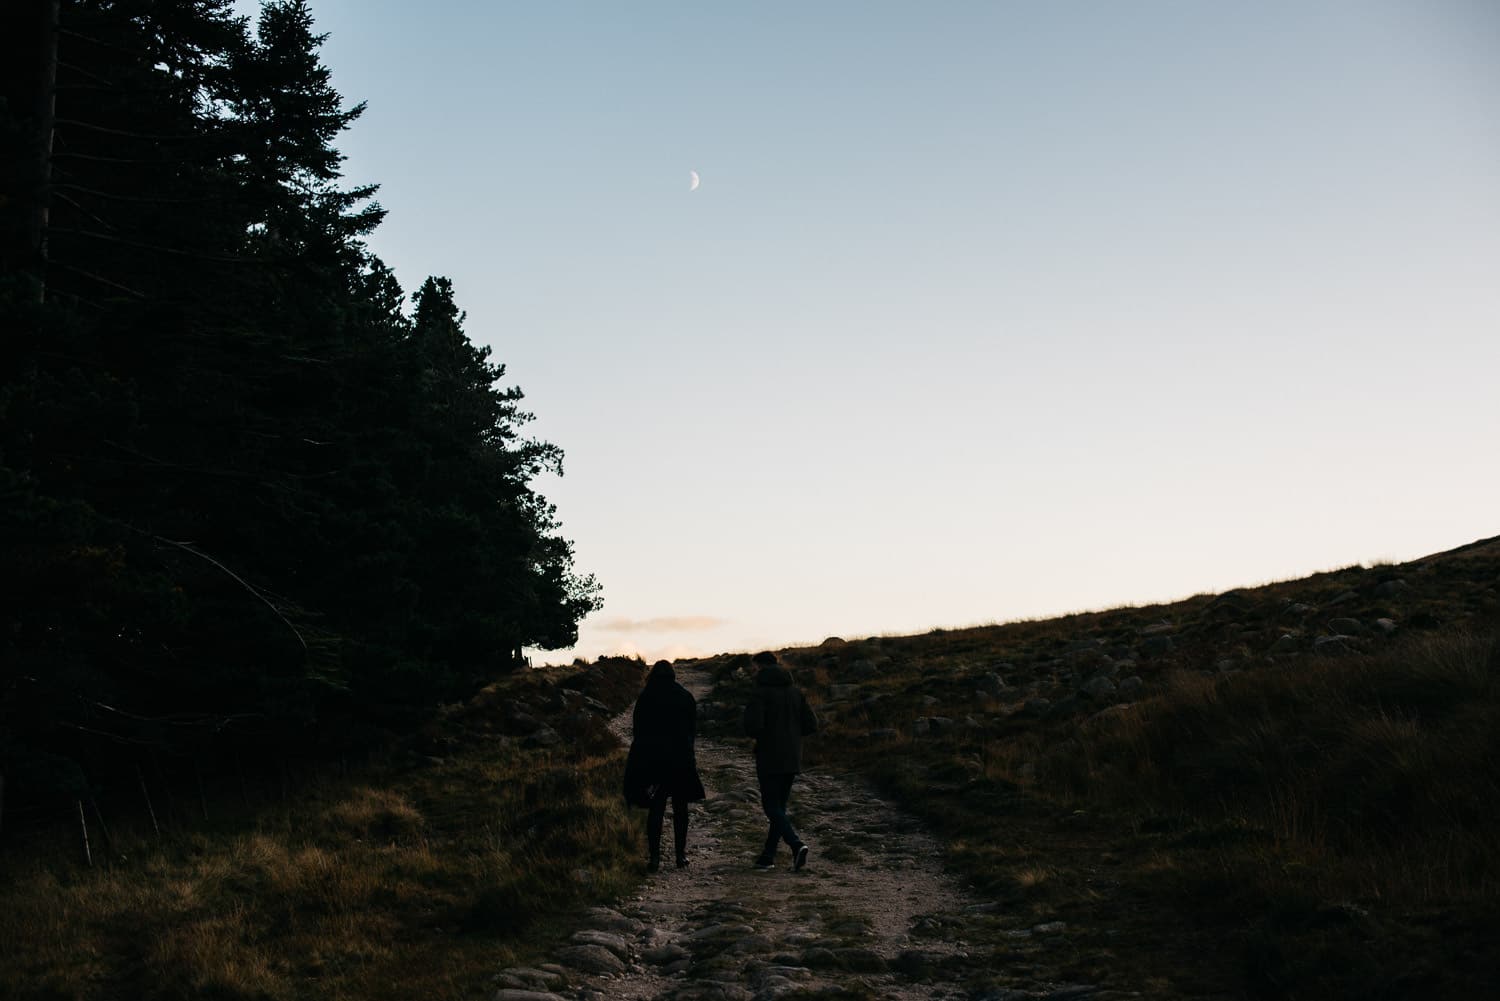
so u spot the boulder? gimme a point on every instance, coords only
(1155, 646)
(1286, 644)
(1132, 688)
(544, 737)
(614, 943)
(1332, 646)
(1099, 689)
(590, 959)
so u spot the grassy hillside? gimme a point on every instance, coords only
(417, 875)
(1289, 790)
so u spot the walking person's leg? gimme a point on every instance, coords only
(680, 829)
(793, 841)
(774, 793)
(655, 814)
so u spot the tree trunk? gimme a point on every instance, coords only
(37, 93)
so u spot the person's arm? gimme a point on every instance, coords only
(755, 717)
(809, 718)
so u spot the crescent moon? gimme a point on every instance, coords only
(692, 180)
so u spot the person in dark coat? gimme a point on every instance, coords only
(778, 717)
(662, 763)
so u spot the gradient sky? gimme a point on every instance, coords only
(983, 310)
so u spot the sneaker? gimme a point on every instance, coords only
(800, 859)
(764, 863)
(682, 862)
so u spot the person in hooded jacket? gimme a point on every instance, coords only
(778, 717)
(662, 763)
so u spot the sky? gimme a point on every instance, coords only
(982, 310)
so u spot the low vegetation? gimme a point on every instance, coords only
(1283, 792)
(417, 875)
(1311, 823)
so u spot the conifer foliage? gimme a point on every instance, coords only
(247, 499)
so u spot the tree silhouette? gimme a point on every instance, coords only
(248, 499)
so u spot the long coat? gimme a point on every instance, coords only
(778, 717)
(665, 724)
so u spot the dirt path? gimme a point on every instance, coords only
(873, 915)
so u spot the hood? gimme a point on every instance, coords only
(660, 673)
(773, 676)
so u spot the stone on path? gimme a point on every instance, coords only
(591, 959)
(613, 943)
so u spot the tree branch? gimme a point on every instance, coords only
(194, 254)
(144, 199)
(187, 547)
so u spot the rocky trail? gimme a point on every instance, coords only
(873, 915)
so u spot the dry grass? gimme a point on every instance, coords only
(414, 879)
(1293, 827)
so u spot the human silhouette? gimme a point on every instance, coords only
(778, 717)
(662, 763)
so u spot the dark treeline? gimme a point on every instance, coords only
(250, 505)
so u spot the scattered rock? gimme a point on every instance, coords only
(842, 691)
(1156, 646)
(992, 684)
(1287, 644)
(1050, 927)
(818, 957)
(1036, 708)
(859, 959)
(1132, 688)
(1386, 626)
(1346, 626)
(543, 737)
(613, 943)
(661, 955)
(591, 959)
(1342, 598)
(1161, 628)
(513, 994)
(1391, 588)
(1099, 689)
(1332, 646)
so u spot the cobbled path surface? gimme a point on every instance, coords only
(873, 914)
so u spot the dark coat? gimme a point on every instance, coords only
(778, 717)
(665, 723)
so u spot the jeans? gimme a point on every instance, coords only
(656, 813)
(775, 791)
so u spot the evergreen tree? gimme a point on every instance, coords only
(245, 492)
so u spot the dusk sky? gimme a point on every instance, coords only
(981, 311)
